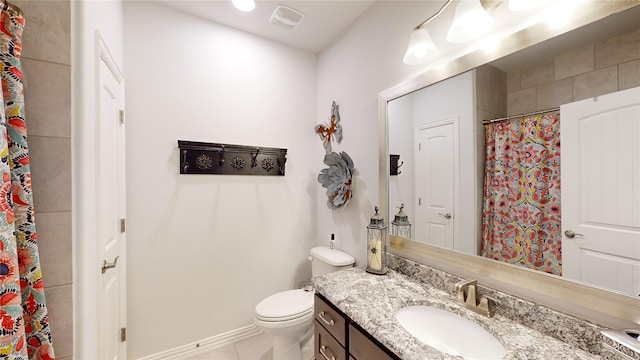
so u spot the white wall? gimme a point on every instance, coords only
(451, 98)
(205, 249)
(454, 98)
(353, 71)
(401, 142)
(87, 17)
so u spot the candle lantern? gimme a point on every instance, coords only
(377, 245)
(400, 226)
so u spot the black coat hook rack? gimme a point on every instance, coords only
(394, 167)
(228, 159)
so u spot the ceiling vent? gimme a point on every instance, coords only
(286, 17)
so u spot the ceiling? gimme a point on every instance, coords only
(325, 20)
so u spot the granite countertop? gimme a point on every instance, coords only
(372, 300)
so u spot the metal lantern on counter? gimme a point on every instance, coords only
(377, 245)
(400, 226)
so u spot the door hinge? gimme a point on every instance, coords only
(419, 201)
(419, 146)
(122, 225)
(123, 334)
(121, 116)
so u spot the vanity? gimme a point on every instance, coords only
(362, 308)
(336, 336)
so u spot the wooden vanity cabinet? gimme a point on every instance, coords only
(339, 338)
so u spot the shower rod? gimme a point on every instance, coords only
(542, 112)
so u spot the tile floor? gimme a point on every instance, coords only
(254, 348)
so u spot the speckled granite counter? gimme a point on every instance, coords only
(372, 300)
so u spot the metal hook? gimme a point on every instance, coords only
(281, 165)
(184, 160)
(221, 161)
(254, 158)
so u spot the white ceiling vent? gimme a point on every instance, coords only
(286, 17)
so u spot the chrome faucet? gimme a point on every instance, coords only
(467, 291)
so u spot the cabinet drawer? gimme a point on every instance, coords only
(326, 347)
(362, 348)
(330, 319)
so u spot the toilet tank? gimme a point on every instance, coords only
(325, 260)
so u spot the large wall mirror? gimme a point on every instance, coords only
(449, 106)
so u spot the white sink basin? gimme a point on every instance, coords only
(450, 333)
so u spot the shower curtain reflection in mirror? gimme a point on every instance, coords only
(521, 207)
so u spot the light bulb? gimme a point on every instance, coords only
(470, 22)
(244, 5)
(421, 47)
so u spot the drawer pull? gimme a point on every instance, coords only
(321, 315)
(324, 355)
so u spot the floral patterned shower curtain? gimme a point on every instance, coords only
(24, 320)
(521, 209)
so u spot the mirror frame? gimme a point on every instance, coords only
(601, 306)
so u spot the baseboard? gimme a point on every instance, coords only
(205, 345)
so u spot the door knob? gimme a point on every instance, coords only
(570, 234)
(446, 216)
(106, 266)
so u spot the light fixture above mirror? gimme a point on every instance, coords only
(453, 32)
(421, 47)
(470, 22)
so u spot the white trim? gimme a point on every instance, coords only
(206, 345)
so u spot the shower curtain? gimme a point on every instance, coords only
(24, 320)
(521, 208)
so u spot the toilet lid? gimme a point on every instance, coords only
(285, 304)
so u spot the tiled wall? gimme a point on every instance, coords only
(46, 63)
(491, 92)
(594, 70)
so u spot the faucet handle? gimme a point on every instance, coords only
(488, 305)
(462, 289)
(462, 285)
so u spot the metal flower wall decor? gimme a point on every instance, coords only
(332, 131)
(337, 179)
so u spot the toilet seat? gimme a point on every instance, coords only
(285, 306)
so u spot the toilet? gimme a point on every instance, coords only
(288, 315)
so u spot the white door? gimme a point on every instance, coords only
(434, 184)
(600, 160)
(110, 148)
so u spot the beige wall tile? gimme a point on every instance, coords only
(629, 75)
(47, 88)
(513, 81)
(554, 94)
(574, 62)
(521, 102)
(539, 74)
(595, 83)
(60, 306)
(618, 50)
(54, 245)
(47, 31)
(51, 173)
(483, 115)
(491, 89)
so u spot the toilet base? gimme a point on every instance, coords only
(291, 347)
(306, 347)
